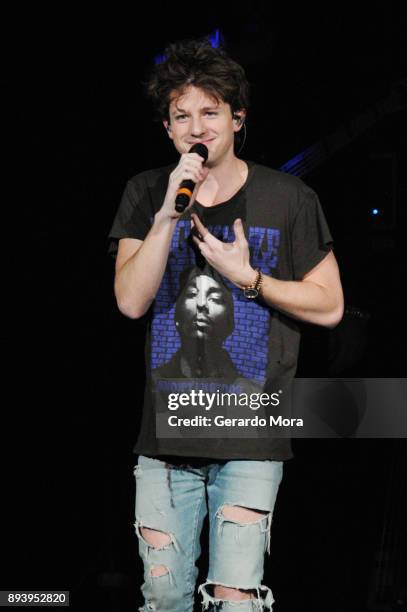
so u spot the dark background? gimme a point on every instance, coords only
(73, 375)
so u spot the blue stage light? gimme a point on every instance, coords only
(215, 39)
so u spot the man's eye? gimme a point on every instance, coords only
(207, 113)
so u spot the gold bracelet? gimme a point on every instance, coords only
(253, 291)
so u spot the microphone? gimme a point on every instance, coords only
(187, 186)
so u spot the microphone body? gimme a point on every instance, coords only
(187, 187)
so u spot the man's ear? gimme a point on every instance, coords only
(167, 126)
(239, 118)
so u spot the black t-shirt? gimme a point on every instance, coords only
(201, 328)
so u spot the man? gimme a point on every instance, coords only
(265, 234)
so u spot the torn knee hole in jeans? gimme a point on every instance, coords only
(260, 520)
(158, 570)
(263, 597)
(170, 538)
(249, 515)
(219, 591)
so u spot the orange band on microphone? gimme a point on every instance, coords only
(188, 192)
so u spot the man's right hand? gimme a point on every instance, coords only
(138, 278)
(190, 167)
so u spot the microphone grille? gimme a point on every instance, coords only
(201, 149)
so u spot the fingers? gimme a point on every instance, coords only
(201, 245)
(205, 235)
(239, 230)
(201, 229)
(195, 155)
(194, 163)
(190, 167)
(221, 255)
(190, 172)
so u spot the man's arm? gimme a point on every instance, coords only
(140, 264)
(317, 298)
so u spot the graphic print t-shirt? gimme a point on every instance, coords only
(203, 333)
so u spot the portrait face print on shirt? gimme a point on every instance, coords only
(204, 308)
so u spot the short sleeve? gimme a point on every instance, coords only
(311, 238)
(134, 217)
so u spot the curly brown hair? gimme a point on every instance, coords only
(196, 62)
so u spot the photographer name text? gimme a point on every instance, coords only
(222, 421)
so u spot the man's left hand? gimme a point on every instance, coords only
(231, 259)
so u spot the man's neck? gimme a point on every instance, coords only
(229, 171)
(222, 182)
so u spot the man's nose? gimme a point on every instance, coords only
(197, 127)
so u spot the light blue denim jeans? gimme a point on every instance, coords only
(175, 499)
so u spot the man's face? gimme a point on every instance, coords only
(197, 117)
(202, 312)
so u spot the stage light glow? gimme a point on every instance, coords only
(215, 38)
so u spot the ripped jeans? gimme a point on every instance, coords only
(172, 499)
